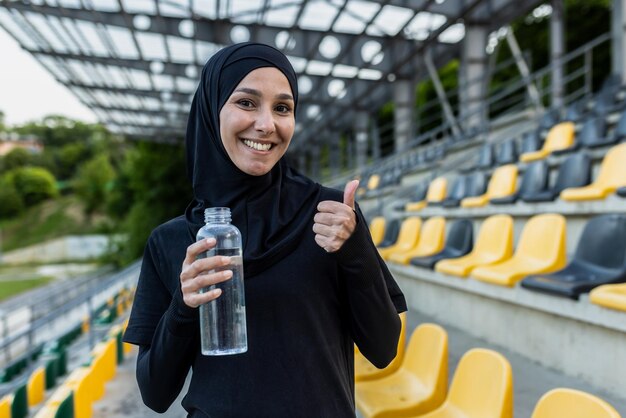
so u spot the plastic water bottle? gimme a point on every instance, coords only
(223, 320)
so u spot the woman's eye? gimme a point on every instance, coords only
(245, 103)
(282, 108)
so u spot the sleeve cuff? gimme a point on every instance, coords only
(181, 320)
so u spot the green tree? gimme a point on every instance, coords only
(16, 158)
(69, 157)
(34, 184)
(10, 200)
(92, 181)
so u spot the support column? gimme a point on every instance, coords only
(472, 80)
(361, 120)
(533, 93)
(618, 41)
(404, 102)
(557, 50)
(350, 151)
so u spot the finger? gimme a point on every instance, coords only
(348, 193)
(326, 243)
(324, 230)
(194, 300)
(204, 264)
(332, 207)
(197, 248)
(205, 280)
(330, 219)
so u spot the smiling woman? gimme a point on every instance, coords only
(314, 282)
(257, 122)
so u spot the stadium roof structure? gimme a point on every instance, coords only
(136, 63)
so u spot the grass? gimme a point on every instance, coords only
(9, 288)
(48, 220)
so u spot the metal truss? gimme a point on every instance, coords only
(137, 63)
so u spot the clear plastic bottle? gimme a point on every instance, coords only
(223, 320)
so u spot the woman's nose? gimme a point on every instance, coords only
(265, 122)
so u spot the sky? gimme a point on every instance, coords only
(29, 92)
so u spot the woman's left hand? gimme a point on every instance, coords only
(335, 221)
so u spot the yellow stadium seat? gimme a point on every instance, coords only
(418, 386)
(494, 244)
(482, 387)
(407, 237)
(5, 406)
(541, 249)
(81, 383)
(612, 176)
(611, 296)
(377, 229)
(503, 183)
(561, 136)
(364, 370)
(52, 408)
(431, 241)
(435, 194)
(570, 403)
(36, 386)
(373, 182)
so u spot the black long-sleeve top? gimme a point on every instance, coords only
(304, 313)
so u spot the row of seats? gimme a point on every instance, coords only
(573, 183)
(415, 384)
(539, 260)
(29, 391)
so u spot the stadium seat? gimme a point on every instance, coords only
(36, 386)
(373, 182)
(502, 183)
(559, 137)
(541, 249)
(482, 387)
(366, 371)
(377, 229)
(458, 243)
(592, 134)
(622, 191)
(475, 185)
(612, 176)
(530, 142)
(600, 259)
(570, 403)
(485, 159)
(575, 111)
(407, 237)
(575, 171)
(550, 118)
(430, 241)
(493, 244)
(507, 153)
(418, 386)
(392, 228)
(5, 406)
(610, 296)
(456, 193)
(436, 193)
(619, 133)
(534, 180)
(19, 402)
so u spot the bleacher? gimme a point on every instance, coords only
(520, 239)
(65, 376)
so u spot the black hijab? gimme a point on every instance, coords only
(273, 210)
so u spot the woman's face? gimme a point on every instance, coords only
(257, 121)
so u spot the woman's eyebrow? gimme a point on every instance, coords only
(282, 96)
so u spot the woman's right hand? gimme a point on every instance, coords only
(194, 275)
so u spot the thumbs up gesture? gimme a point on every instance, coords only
(334, 221)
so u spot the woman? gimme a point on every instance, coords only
(313, 280)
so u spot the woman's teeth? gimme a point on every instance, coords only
(257, 146)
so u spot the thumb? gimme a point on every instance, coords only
(348, 193)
